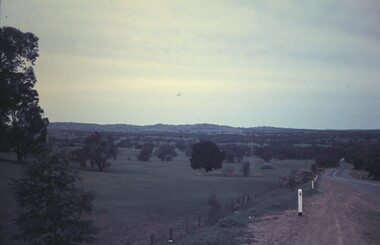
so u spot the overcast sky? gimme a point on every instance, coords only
(300, 64)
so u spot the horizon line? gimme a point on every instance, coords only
(221, 125)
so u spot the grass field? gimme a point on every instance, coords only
(134, 199)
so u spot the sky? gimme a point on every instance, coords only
(298, 64)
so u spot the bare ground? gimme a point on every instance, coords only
(339, 214)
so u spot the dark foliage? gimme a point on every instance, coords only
(52, 206)
(236, 152)
(314, 168)
(181, 145)
(146, 152)
(98, 150)
(206, 155)
(22, 124)
(374, 168)
(166, 152)
(327, 160)
(127, 143)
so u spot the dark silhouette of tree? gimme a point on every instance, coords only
(234, 151)
(98, 150)
(181, 145)
(52, 206)
(166, 152)
(146, 152)
(79, 155)
(206, 155)
(374, 168)
(327, 160)
(314, 168)
(264, 153)
(21, 118)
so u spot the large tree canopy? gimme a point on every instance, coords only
(206, 155)
(22, 124)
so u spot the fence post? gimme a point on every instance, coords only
(312, 184)
(152, 239)
(170, 235)
(299, 202)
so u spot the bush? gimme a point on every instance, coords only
(297, 177)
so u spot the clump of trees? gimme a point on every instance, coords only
(206, 155)
(166, 152)
(367, 158)
(327, 160)
(97, 150)
(52, 206)
(146, 152)
(374, 168)
(23, 128)
(235, 152)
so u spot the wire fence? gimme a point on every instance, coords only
(179, 230)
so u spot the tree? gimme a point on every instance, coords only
(374, 168)
(146, 152)
(52, 206)
(206, 155)
(264, 153)
(21, 118)
(98, 150)
(327, 160)
(234, 151)
(166, 152)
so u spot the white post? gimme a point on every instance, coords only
(312, 184)
(299, 202)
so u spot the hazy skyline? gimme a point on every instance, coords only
(293, 64)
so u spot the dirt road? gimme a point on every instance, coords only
(339, 214)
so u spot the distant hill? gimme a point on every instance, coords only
(188, 128)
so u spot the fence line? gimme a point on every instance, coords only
(192, 224)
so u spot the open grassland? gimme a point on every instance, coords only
(134, 199)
